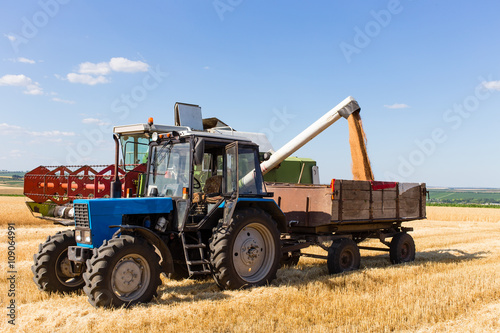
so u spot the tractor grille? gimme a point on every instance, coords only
(82, 215)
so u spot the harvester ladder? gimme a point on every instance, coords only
(194, 252)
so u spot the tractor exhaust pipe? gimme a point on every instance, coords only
(343, 109)
(116, 185)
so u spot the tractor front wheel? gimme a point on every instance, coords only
(52, 269)
(124, 271)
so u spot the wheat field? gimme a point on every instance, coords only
(453, 286)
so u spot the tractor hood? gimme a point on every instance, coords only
(99, 215)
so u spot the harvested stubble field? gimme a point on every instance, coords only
(453, 285)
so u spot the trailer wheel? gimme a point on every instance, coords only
(343, 256)
(402, 248)
(247, 252)
(124, 271)
(52, 269)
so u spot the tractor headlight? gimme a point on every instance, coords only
(83, 236)
(86, 236)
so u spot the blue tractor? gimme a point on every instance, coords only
(204, 211)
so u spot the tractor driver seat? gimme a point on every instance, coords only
(211, 191)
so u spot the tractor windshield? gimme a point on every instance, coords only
(169, 170)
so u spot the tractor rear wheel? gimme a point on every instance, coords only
(246, 252)
(52, 269)
(124, 271)
(402, 248)
(343, 256)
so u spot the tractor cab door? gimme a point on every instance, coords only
(242, 175)
(230, 184)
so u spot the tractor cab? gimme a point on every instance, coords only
(200, 173)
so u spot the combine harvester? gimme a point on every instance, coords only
(201, 206)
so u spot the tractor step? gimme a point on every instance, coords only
(198, 262)
(194, 253)
(195, 246)
(205, 272)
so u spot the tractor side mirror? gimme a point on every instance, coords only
(199, 151)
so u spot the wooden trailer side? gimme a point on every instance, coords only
(349, 202)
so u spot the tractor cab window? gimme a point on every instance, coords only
(250, 182)
(241, 174)
(207, 176)
(169, 169)
(202, 172)
(134, 150)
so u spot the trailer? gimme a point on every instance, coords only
(346, 213)
(203, 208)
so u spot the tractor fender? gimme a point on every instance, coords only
(167, 263)
(267, 205)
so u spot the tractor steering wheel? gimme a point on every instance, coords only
(197, 184)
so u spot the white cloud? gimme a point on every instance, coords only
(57, 99)
(206, 68)
(121, 64)
(51, 134)
(15, 80)
(21, 80)
(13, 130)
(6, 129)
(94, 73)
(86, 79)
(12, 38)
(491, 85)
(397, 106)
(33, 89)
(101, 68)
(94, 121)
(22, 59)
(25, 60)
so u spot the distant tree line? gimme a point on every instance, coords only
(478, 201)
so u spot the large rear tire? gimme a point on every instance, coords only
(124, 271)
(247, 252)
(402, 248)
(52, 269)
(343, 256)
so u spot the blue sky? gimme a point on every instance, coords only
(425, 73)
